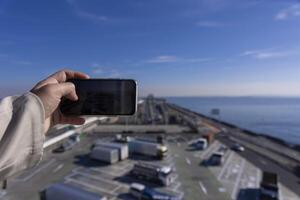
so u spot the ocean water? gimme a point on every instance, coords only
(274, 116)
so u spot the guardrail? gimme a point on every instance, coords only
(70, 132)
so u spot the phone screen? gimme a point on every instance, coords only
(102, 97)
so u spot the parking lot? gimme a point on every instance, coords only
(75, 168)
(235, 179)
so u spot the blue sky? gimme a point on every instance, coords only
(173, 48)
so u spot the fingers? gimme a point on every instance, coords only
(67, 90)
(64, 75)
(60, 77)
(72, 120)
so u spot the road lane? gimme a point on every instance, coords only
(287, 178)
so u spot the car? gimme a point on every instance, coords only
(75, 138)
(141, 192)
(217, 158)
(136, 190)
(66, 146)
(237, 147)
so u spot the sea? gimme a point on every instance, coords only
(275, 116)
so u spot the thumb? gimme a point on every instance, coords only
(67, 90)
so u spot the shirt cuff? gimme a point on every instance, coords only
(37, 114)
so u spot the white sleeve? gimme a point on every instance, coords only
(21, 133)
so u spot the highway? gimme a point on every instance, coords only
(287, 178)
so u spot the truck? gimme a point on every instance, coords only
(122, 148)
(209, 137)
(104, 154)
(155, 150)
(159, 174)
(62, 191)
(269, 189)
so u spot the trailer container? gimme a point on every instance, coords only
(122, 148)
(147, 148)
(104, 154)
(62, 191)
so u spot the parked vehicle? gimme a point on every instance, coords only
(237, 147)
(122, 148)
(217, 158)
(75, 138)
(136, 190)
(104, 154)
(200, 143)
(122, 139)
(269, 189)
(66, 146)
(147, 148)
(62, 191)
(159, 174)
(141, 192)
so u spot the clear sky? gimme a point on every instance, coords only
(172, 47)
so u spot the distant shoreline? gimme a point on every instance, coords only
(244, 130)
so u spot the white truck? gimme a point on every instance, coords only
(62, 191)
(122, 148)
(147, 148)
(159, 174)
(104, 154)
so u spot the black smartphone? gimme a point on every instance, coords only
(102, 97)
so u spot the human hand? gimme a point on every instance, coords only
(51, 90)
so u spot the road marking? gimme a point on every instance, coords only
(197, 155)
(258, 177)
(188, 161)
(225, 166)
(113, 174)
(178, 144)
(36, 171)
(58, 168)
(210, 149)
(175, 187)
(2, 193)
(202, 187)
(86, 174)
(236, 185)
(118, 187)
(85, 184)
(221, 189)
